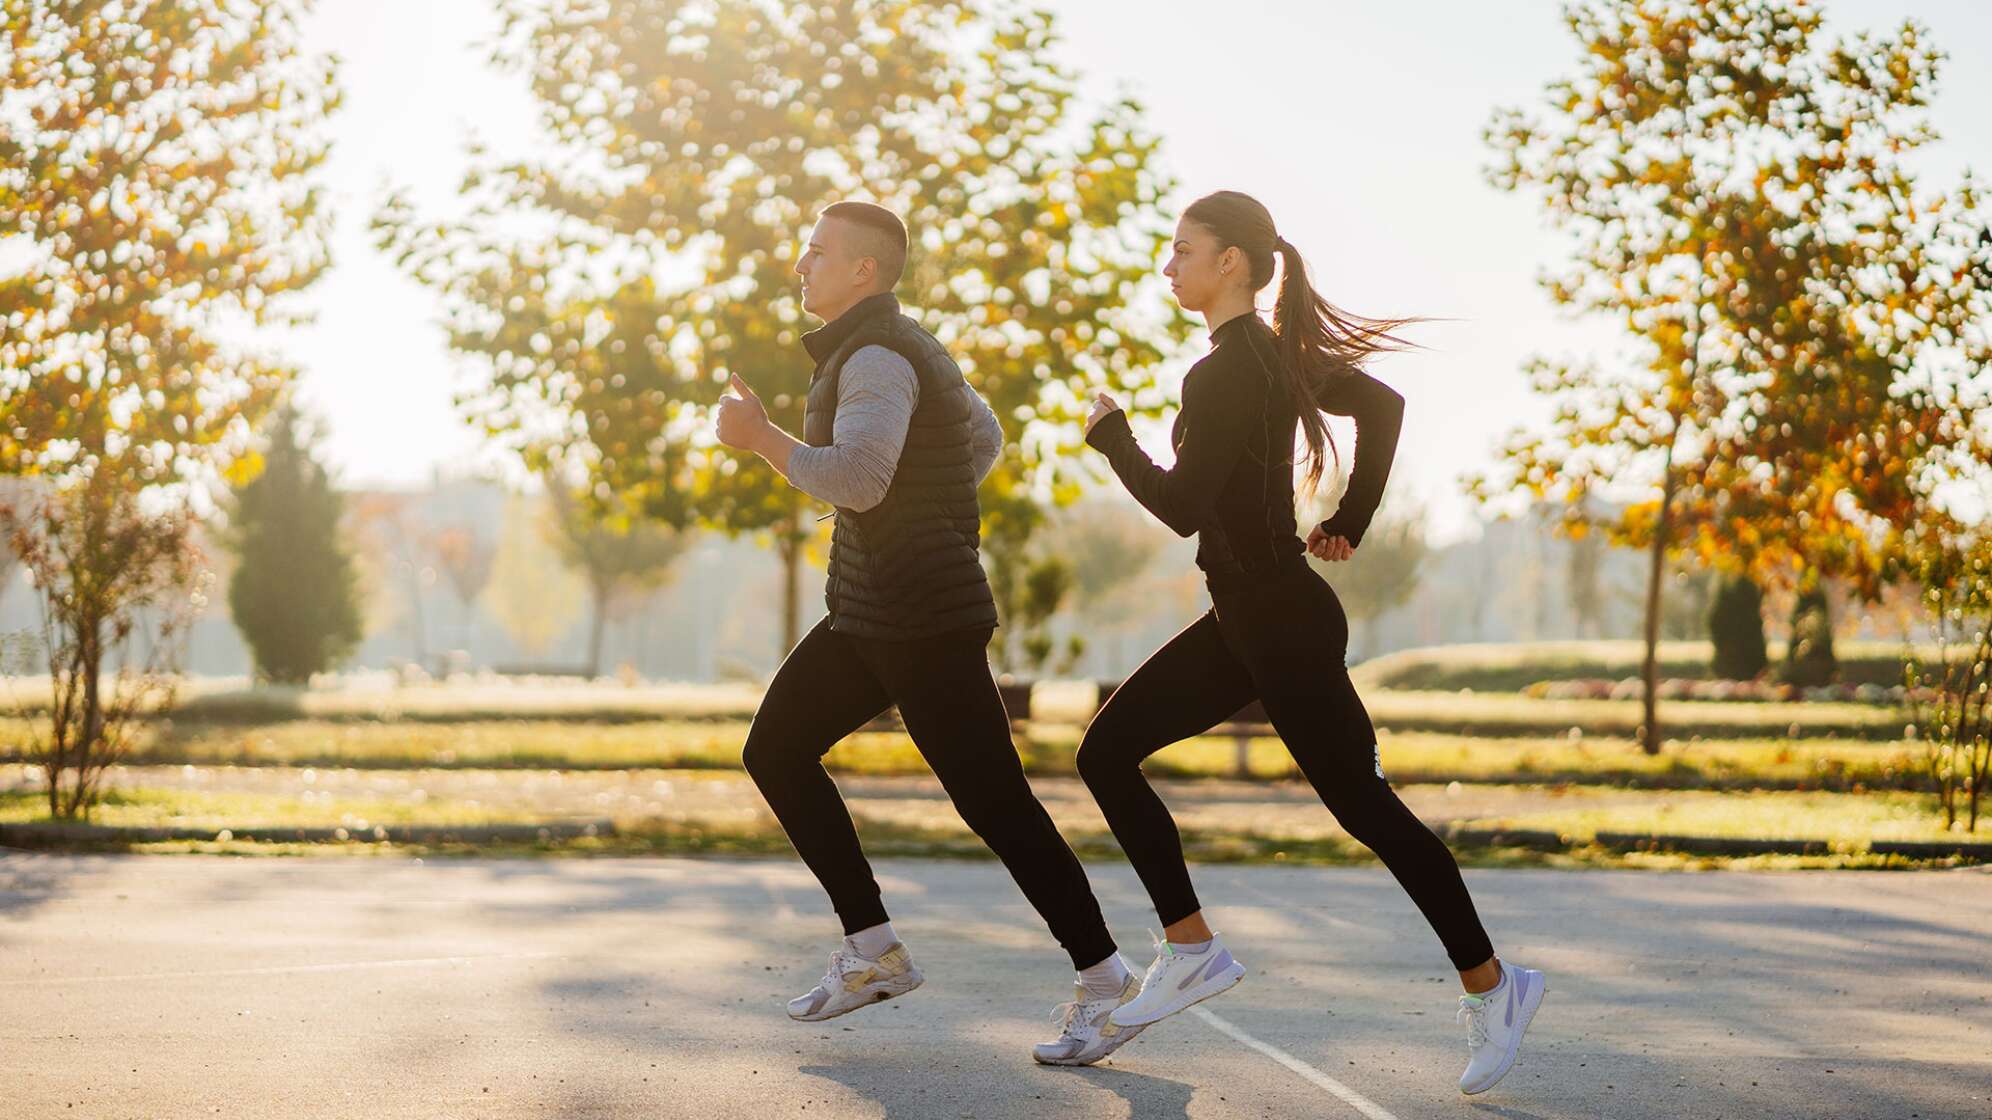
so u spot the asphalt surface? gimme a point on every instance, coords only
(352, 987)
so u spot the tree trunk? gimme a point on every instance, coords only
(596, 628)
(1649, 729)
(1663, 525)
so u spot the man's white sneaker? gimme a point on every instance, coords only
(1088, 1034)
(854, 981)
(1495, 1022)
(1177, 980)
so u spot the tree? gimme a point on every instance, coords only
(157, 201)
(1736, 628)
(295, 591)
(531, 593)
(1952, 698)
(465, 558)
(606, 292)
(114, 583)
(1809, 659)
(1381, 575)
(1735, 187)
(617, 557)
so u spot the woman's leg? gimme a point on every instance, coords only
(1185, 688)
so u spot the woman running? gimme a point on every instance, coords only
(1276, 632)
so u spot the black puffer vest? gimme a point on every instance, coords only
(908, 567)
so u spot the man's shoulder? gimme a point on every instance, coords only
(878, 369)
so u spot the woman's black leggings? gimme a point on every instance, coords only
(832, 684)
(1282, 640)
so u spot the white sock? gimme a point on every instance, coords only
(1106, 978)
(872, 943)
(1193, 947)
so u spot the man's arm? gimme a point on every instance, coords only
(876, 393)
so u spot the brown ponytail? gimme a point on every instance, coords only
(1317, 340)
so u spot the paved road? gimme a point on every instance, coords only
(184, 986)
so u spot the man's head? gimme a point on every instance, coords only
(857, 249)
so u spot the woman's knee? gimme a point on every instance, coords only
(758, 757)
(1102, 758)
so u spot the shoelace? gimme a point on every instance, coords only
(840, 963)
(1474, 1015)
(1065, 1013)
(1163, 953)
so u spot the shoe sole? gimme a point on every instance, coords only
(1508, 1063)
(879, 993)
(1215, 985)
(1122, 1039)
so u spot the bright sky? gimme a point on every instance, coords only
(1358, 124)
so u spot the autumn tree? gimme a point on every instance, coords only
(1734, 186)
(531, 593)
(1380, 576)
(605, 290)
(617, 556)
(465, 557)
(294, 594)
(156, 207)
(117, 587)
(1736, 628)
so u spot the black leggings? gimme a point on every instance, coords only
(1281, 640)
(831, 685)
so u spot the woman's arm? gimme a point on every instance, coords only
(1217, 418)
(1379, 415)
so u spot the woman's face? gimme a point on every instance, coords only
(1200, 269)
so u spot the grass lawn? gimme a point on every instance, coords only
(897, 826)
(1840, 819)
(1408, 756)
(174, 808)
(1512, 666)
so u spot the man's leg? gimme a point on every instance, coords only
(953, 712)
(822, 692)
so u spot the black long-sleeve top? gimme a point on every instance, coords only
(1232, 484)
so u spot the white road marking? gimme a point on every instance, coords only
(1336, 1089)
(276, 970)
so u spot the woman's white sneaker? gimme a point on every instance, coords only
(854, 981)
(1178, 980)
(1087, 1032)
(1495, 1022)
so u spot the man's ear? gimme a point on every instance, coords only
(867, 271)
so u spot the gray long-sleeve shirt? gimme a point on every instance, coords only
(876, 394)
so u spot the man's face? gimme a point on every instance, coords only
(835, 276)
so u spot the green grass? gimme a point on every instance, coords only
(885, 840)
(1512, 666)
(1843, 820)
(171, 808)
(1408, 756)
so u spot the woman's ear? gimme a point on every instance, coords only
(1229, 260)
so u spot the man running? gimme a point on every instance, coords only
(895, 439)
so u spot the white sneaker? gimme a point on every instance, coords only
(1087, 1033)
(854, 981)
(1176, 981)
(1495, 1022)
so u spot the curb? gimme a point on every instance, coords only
(391, 834)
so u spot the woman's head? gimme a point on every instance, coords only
(1227, 243)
